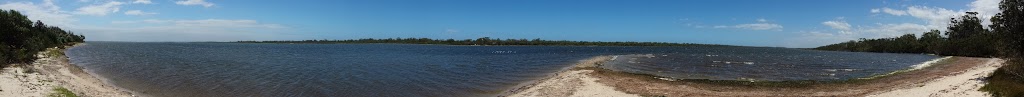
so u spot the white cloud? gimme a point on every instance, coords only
(891, 30)
(720, 26)
(100, 10)
(46, 12)
(986, 9)
(933, 18)
(138, 12)
(937, 18)
(189, 30)
(838, 25)
(821, 38)
(760, 26)
(151, 21)
(195, 2)
(142, 2)
(893, 11)
(151, 29)
(208, 23)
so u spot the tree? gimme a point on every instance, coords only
(907, 44)
(1008, 81)
(931, 41)
(964, 27)
(968, 38)
(483, 41)
(21, 39)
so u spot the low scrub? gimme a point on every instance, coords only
(1007, 81)
(61, 92)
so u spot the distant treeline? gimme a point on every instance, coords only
(486, 41)
(966, 37)
(21, 39)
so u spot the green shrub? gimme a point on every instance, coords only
(62, 92)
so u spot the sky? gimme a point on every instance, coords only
(769, 23)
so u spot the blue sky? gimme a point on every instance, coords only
(775, 23)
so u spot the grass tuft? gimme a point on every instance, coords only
(62, 92)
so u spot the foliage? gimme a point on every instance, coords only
(61, 92)
(966, 38)
(21, 39)
(1008, 81)
(485, 41)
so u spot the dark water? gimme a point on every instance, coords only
(276, 70)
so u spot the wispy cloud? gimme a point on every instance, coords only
(837, 24)
(138, 12)
(189, 30)
(142, 2)
(195, 2)
(149, 29)
(762, 24)
(101, 9)
(46, 12)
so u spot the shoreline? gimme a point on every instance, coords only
(572, 81)
(937, 78)
(52, 71)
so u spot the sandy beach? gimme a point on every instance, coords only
(575, 82)
(49, 72)
(965, 84)
(949, 77)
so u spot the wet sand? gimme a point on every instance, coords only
(955, 76)
(50, 72)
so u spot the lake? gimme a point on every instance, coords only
(410, 70)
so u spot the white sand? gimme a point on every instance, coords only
(573, 83)
(51, 72)
(14, 83)
(963, 84)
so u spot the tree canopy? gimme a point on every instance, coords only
(966, 37)
(20, 38)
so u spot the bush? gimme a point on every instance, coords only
(1007, 81)
(21, 39)
(61, 92)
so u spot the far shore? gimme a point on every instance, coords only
(946, 77)
(50, 72)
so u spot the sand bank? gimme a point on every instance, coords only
(51, 71)
(954, 76)
(574, 82)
